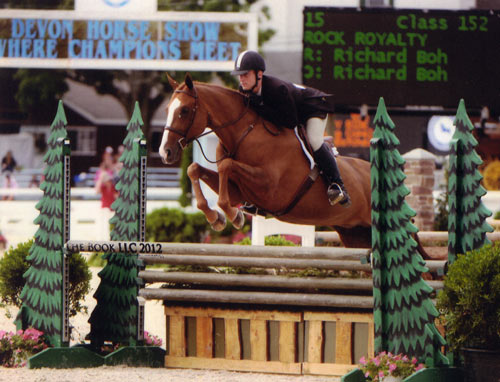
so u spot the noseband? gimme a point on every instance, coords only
(183, 140)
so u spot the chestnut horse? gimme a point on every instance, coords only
(260, 164)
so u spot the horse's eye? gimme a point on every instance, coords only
(184, 110)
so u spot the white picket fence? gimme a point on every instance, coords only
(86, 216)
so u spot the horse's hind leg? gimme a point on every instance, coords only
(211, 178)
(355, 237)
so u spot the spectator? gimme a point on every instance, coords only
(8, 162)
(106, 188)
(9, 183)
(117, 163)
(34, 182)
(107, 163)
(3, 241)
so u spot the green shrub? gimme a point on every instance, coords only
(96, 260)
(269, 240)
(172, 225)
(470, 300)
(497, 215)
(441, 216)
(13, 265)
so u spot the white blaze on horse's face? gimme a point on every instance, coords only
(170, 118)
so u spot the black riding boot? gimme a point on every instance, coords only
(328, 166)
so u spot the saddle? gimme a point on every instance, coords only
(300, 133)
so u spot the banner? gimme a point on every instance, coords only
(162, 41)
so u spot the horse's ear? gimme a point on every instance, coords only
(189, 81)
(173, 83)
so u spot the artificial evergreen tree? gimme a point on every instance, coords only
(115, 315)
(403, 311)
(42, 306)
(467, 224)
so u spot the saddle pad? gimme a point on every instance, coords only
(306, 151)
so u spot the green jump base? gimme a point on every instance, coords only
(65, 358)
(81, 357)
(137, 356)
(434, 374)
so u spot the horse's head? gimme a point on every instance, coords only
(183, 124)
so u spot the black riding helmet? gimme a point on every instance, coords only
(248, 60)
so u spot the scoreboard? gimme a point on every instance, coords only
(412, 58)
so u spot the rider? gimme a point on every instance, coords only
(288, 105)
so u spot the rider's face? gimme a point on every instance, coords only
(248, 80)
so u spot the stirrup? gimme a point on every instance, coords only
(338, 194)
(250, 209)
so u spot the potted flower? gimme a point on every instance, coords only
(16, 348)
(470, 311)
(387, 367)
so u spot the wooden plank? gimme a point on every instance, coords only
(226, 313)
(253, 297)
(315, 342)
(343, 343)
(346, 317)
(240, 261)
(177, 338)
(237, 365)
(271, 281)
(204, 337)
(287, 341)
(425, 237)
(232, 335)
(371, 339)
(258, 340)
(332, 369)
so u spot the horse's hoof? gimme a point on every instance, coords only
(220, 223)
(239, 220)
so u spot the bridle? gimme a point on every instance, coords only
(183, 141)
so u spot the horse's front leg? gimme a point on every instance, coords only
(229, 167)
(211, 178)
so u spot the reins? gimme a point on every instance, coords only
(184, 141)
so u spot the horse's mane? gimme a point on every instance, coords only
(215, 87)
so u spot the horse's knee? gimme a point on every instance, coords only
(224, 165)
(193, 171)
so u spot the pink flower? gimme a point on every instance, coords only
(414, 361)
(392, 367)
(376, 361)
(381, 374)
(362, 360)
(367, 374)
(419, 367)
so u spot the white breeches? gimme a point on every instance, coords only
(315, 130)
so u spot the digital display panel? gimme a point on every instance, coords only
(409, 57)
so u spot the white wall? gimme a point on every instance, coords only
(21, 146)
